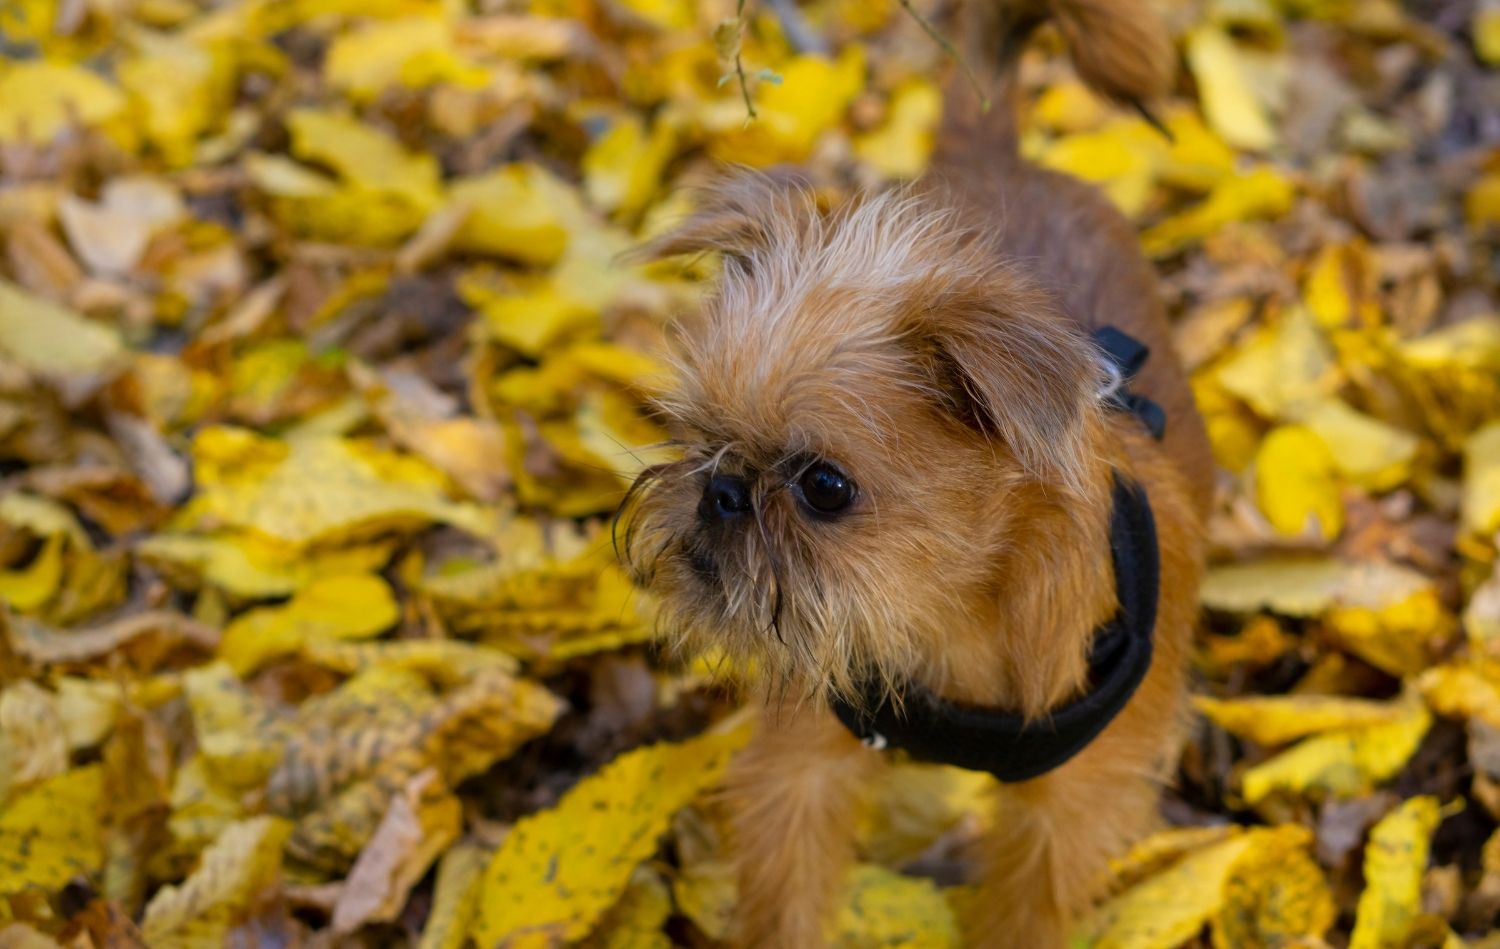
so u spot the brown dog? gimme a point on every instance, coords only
(900, 451)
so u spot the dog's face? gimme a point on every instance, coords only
(866, 407)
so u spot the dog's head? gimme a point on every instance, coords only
(870, 406)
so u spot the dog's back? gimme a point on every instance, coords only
(1062, 230)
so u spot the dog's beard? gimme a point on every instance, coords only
(766, 595)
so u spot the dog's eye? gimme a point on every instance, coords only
(825, 489)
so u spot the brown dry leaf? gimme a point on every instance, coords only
(419, 824)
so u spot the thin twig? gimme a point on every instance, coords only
(739, 68)
(942, 41)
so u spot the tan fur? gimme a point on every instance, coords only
(934, 344)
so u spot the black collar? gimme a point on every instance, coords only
(930, 728)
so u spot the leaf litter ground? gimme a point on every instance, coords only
(320, 373)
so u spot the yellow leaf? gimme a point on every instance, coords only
(1148, 857)
(365, 156)
(542, 314)
(792, 114)
(1277, 719)
(1122, 158)
(884, 908)
(417, 51)
(454, 897)
(447, 662)
(622, 168)
(28, 588)
(1396, 634)
(914, 804)
(1168, 909)
(52, 832)
(900, 148)
(1277, 895)
(1197, 159)
(1069, 106)
(1365, 450)
(1260, 193)
(1482, 203)
(1463, 692)
(1395, 860)
(664, 14)
(1486, 32)
(1308, 586)
(182, 89)
(33, 744)
(39, 99)
(1343, 763)
(237, 870)
(51, 339)
(636, 922)
(1295, 483)
(513, 213)
(253, 566)
(1282, 370)
(706, 893)
(1481, 498)
(557, 872)
(229, 726)
(1227, 89)
(316, 487)
(354, 606)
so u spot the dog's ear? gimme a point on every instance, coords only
(1009, 365)
(740, 216)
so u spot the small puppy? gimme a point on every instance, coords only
(901, 446)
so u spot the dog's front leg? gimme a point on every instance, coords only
(792, 795)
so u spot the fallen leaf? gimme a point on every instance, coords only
(559, 870)
(883, 908)
(1278, 719)
(1277, 895)
(316, 487)
(1227, 88)
(236, 872)
(52, 831)
(41, 98)
(419, 824)
(455, 897)
(1295, 483)
(1481, 498)
(1395, 860)
(351, 606)
(51, 339)
(1342, 763)
(1259, 193)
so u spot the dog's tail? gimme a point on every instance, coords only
(1120, 48)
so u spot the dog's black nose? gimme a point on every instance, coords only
(725, 499)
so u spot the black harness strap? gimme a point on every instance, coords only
(931, 728)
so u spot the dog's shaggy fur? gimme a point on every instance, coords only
(932, 344)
